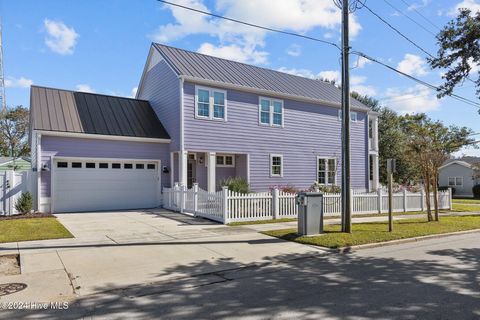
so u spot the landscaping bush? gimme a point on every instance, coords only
(24, 204)
(316, 187)
(476, 191)
(236, 184)
(287, 189)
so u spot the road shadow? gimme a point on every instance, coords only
(343, 286)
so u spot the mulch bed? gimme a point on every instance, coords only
(27, 216)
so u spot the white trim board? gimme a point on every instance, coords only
(101, 136)
(459, 162)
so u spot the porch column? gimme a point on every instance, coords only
(211, 168)
(172, 169)
(182, 167)
(375, 182)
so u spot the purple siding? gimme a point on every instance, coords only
(221, 173)
(96, 148)
(310, 130)
(161, 88)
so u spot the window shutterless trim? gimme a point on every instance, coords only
(272, 155)
(224, 156)
(353, 116)
(327, 169)
(211, 103)
(271, 112)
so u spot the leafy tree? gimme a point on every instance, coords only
(14, 132)
(459, 51)
(429, 144)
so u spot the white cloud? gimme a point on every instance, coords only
(418, 5)
(412, 100)
(293, 15)
(60, 38)
(294, 50)
(362, 62)
(330, 75)
(412, 65)
(18, 82)
(134, 92)
(299, 72)
(83, 87)
(472, 5)
(357, 84)
(235, 52)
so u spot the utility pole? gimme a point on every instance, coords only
(3, 103)
(346, 183)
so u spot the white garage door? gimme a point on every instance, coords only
(91, 185)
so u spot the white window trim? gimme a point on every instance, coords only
(326, 171)
(224, 165)
(455, 181)
(271, 100)
(281, 165)
(353, 114)
(210, 103)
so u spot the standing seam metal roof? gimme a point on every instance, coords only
(205, 67)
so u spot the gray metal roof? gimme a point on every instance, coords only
(204, 67)
(467, 159)
(80, 112)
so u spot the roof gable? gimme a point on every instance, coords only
(81, 112)
(198, 66)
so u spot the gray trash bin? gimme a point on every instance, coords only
(310, 213)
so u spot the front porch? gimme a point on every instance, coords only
(207, 169)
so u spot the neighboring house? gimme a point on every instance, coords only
(196, 119)
(461, 174)
(17, 164)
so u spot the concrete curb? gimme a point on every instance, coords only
(401, 241)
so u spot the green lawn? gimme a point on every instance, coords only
(32, 229)
(462, 207)
(364, 233)
(470, 201)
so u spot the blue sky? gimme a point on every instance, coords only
(101, 46)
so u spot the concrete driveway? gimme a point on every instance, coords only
(115, 250)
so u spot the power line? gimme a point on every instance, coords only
(397, 31)
(409, 18)
(250, 24)
(455, 96)
(420, 14)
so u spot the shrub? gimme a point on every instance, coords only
(286, 189)
(24, 203)
(325, 189)
(236, 184)
(476, 191)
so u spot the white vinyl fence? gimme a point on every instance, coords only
(226, 206)
(13, 183)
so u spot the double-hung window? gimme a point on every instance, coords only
(270, 112)
(211, 104)
(353, 116)
(455, 181)
(276, 165)
(326, 170)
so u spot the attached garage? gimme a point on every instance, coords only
(95, 152)
(101, 184)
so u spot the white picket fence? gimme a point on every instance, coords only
(226, 206)
(12, 184)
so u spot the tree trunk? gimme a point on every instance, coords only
(435, 194)
(427, 194)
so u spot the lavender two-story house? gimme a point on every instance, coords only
(195, 119)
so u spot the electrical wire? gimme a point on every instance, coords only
(409, 18)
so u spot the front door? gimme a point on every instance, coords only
(191, 173)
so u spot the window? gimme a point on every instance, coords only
(225, 160)
(211, 104)
(116, 166)
(76, 164)
(103, 165)
(455, 181)
(271, 112)
(276, 165)
(127, 166)
(150, 166)
(370, 168)
(326, 169)
(139, 166)
(353, 116)
(62, 164)
(90, 165)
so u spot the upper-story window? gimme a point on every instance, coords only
(211, 104)
(353, 116)
(270, 112)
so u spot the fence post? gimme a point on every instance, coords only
(11, 198)
(379, 199)
(195, 198)
(183, 191)
(404, 200)
(422, 199)
(225, 204)
(450, 205)
(276, 203)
